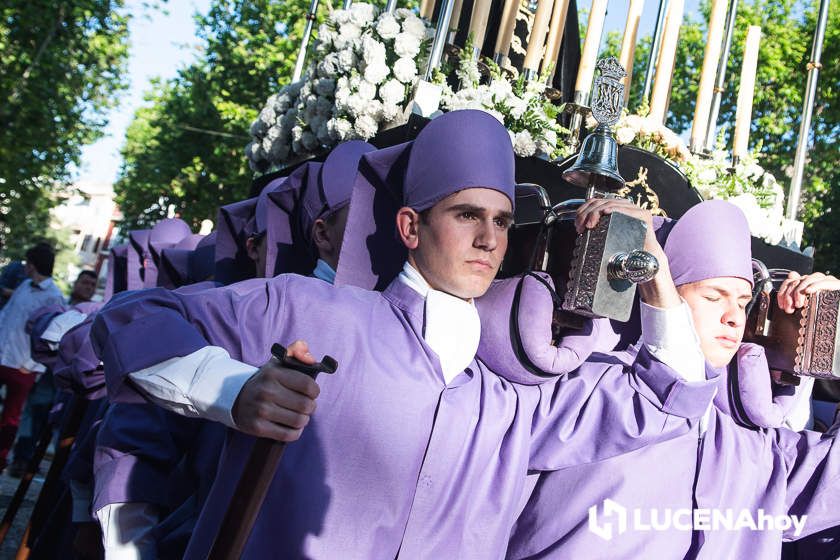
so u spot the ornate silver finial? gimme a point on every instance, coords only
(608, 97)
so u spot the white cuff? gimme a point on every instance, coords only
(33, 366)
(205, 383)
(127, 531)
(670, 337)
(62, 323)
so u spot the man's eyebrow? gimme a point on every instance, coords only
(467, 207)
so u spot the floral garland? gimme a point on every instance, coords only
(648, 134)
(365, 66)
(520, 105)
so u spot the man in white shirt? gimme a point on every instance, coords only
(17, 368)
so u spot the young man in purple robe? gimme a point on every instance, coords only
(416, 449)
(300, 217)
(732, 464)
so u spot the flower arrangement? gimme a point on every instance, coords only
(648, 134)
(520, 105)
(746, 185)
(365, 66)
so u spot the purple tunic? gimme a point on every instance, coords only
(393, 455)
(732, 466)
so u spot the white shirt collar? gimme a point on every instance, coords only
(452, 327)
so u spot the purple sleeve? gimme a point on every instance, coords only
(813, 477)
(140, 329)
(77, 367)
(607, 408)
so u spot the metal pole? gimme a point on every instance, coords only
(807, 111)
(347, 4)
(720, 81)
(304, 44)
(654, 48)
(391, 6)
(440, 38)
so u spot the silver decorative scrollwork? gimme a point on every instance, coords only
(608, 95)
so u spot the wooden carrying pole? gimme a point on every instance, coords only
(72, 420)
(256, 478)
(26, 481)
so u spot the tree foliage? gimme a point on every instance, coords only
(63, 64)
(185, 147)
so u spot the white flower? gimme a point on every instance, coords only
(406, 44)
(274, 132)
(356, 105)
(403, 13)
(372, 50)
(323, 107)
(266, 145)
(258, 128)
(405, 70)
(365, 127)
(340, 17)
(414, 26)
(342, 96)
(339, 129)
(373, 109)
(308, 140)
(392, 92)
(361, 13)
(625, 135)
(326, 36)
(648, 126)
(707, 175)
(390, 112)
(347, 60)
(323, 134)
(279, 151)
(267, 115)
(325, 86)
(376, 72)
(500, 89)
(282, 103)
(366, 90)
(387, 27)
(347, 33)
(328, 67)
(524, 145)
(516, 106)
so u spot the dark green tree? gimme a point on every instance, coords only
(63, 66)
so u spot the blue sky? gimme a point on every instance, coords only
(162, 42)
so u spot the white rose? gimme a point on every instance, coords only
(328, 67)
(365, 127)
(387, 27)
(308, 140)
(347, 60)
(392, 92)
(372, 50)
(415, 27)
(524, 145)
(325, 86)
(405, 70)
(376, 72)
(279, 151)
(707, 175)
(323, 134)
(347, 33)
(258, 128)
(406, 45)
(340, 17)
(366, 90)
(339, 129)
(267, 115)
(625, 135)
(361, 13)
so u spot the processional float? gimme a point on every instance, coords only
(595, 273)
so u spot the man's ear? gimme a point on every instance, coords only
(408, 221)
(252, 247)
(321, 237)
